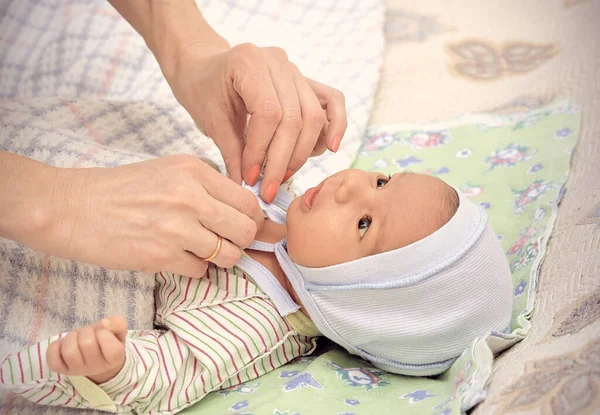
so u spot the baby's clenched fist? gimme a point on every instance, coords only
(96, 351)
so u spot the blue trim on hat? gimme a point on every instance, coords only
(408, 367)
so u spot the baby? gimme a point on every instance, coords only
(403, 271)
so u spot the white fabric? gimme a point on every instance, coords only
(276, 211)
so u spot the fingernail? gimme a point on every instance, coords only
(253, 173)
(288, 174)
(335, 144)
(271, 192)
(106, 322)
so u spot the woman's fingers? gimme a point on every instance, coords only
(186, 263)
(203, 243)
(334, 104)
(224, 221)
(313, 120)
(281, 147)
(251, 79)
(286, 119)
(321, 145)
(256, 87)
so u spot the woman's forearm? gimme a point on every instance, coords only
(168, 27)
(26, 201)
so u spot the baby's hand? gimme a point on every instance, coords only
(96, 351)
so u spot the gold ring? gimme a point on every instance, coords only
(216, 252)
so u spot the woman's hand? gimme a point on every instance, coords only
(158, 215)
(291, 117)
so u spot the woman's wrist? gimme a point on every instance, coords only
(177, 27)
(40, 205)
(26, 213)
(169, 27)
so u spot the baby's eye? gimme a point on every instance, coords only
(363, 225)
(382, 181)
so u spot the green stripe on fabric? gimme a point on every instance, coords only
(153, 343)
(41, 391)
(180, 286)
(146, 378)
(168, 343)
(56, 399)
(265, 310)
(278, 319)
(194, 384)
(12, 379)
(215, 332)
(181, 390)
(123, 379)
(203, 342)
(284, 332)
(259, 322)
(162, 384)
(216, 285)
(30, 364)
(237, 327)
(237, 280)
(194, 298)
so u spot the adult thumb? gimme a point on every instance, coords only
(229, 137)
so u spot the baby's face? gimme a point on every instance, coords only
(354, 214)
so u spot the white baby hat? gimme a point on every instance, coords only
(412, 310)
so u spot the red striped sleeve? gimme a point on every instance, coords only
(248, 323)
(185, 296)
(162, 356)
(39, 353)
(2, 371)
(209, 357)
(48, 394)
(21, 368)
(204, 333)
(266, 318)
(226, 330)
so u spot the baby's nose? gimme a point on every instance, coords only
(352, 187)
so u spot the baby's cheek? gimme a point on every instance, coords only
(304, 244)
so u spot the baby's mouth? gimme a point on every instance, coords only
(310, 195)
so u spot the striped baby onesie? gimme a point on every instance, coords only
(214, 332)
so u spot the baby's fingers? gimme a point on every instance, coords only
(90, 351)
(116, 325)
(54, 359)
(64, 355)
(71, 354)
(112, 349)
